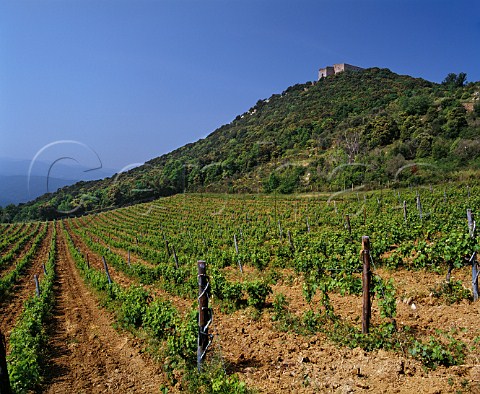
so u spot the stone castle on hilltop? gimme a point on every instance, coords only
(335, 69)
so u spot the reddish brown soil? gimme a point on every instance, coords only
(12, 305)
(9, 232)
(96, 261)
(6, 268)
(88, 355)
(123, 279)
(273, 361)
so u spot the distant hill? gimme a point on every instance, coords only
(17, 187)
(61, 170)
(14, 189)
(369, 127)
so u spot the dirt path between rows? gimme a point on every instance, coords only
(121, 277)
(11, 233)
(5, 268)
(12, 305)
(95, 259)
(87, 354)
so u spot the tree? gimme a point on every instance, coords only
(455, 81)
(456, 121)
(351, 143)
(381, 131)
(271, 183)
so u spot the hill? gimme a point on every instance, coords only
(19, 183)
(370, 127)
(16, 189)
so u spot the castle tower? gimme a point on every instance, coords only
(335, 69)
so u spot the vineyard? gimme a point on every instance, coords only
(115, 308)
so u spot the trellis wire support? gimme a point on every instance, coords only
(366, 277)
(205, 315)
(175, 258)
(106, 270)
(37, 285)
(473, 260)
(236, 250)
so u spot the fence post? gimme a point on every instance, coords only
(106, 270)
(204, 314)
(366, 311)
(4, 380)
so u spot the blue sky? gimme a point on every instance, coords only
(135, 79)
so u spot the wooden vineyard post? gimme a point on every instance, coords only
(471, 229)
(236, 250)
(405, 211)
(308, 226)
(167, 248)
(475, 277)
(175, 257)
(88, 262)
(366, 311)
(37, 285)
(347, 224)
(419, 207)
(290, 240)
(4, 379)
(128, 260)
(280, 231)
(106, 270)
(204, 314)
(471, 223)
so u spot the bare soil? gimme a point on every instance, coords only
(87, 354)
(273, 361)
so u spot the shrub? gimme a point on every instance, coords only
(257, 291)
(133, 307)
(161, 317)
